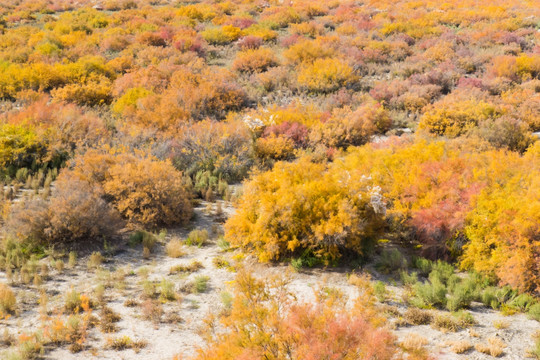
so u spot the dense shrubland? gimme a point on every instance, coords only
(351, 125)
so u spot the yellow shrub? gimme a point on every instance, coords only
(304, 206)
(326, 75)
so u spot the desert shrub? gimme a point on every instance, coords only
(288, 215)
(149, 192)
(423, 265)
(534, 311)
(20, 146)
(351, 128)
(200, 283)
(494, 347)
(408, 279)
(523, 302)
(175, 248)
(506, 132)
(75, 213)
(391, 261)
(454, 118)
(351, 336)
(257, 60)
(501, 229)
(326, 75)
(94, 92)
(7, 300)
(416, 316)
(191, 267)
(445, 322)
(307, 52)
(221, 36)
(197, 237)
(222, 148)
(250, 42)
(274, 148)
(429, 294)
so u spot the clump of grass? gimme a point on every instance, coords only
(220, 262)
(534, 312)
(72, 301)
(223, 244)
(464, 319)
(152, 310)
(108, 318)
(197, 237)
(149, 289)
(501, 324)
(72, 260)
(535, 352)
(166, 290)
(131, 302)
(8, 300)
(125, 342)
(416, 316)
(95, 260)
(390, 261)
(193, 266)
(414, 344)
(460, 346)
(379, 288)
(445, 322)
(201, 283)
(429, 294)
(494, 347)
(175, 248)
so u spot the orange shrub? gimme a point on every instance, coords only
(265, 322)
(149, 192)
(255, 60)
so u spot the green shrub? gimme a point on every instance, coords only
(408, 279)
(522, 302)
(441, 271)
(201, 283)
(534, 311)
(166, 290)
(489, 298)
(380, 290)
(429, 294)
(464, 318)
(423, 265)
(197, 237)
(445, 322)
(390, 261)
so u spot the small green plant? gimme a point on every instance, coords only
(197, 238)
(390, 261)
(408, 279)
(200, 283)
(166, 290)
(220, 262)
(534, 311)
(72, 259)
(226, 300)
(72, 301)
(445, 322)
(423, 265)
(223, 244)
(380, 291)
(429, 294)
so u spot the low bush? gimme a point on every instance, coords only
(197, 237)
(7, 300)
(254, 61)
(416, 316)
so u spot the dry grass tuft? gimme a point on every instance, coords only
(494, 347)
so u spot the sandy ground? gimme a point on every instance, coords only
(178, 332)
